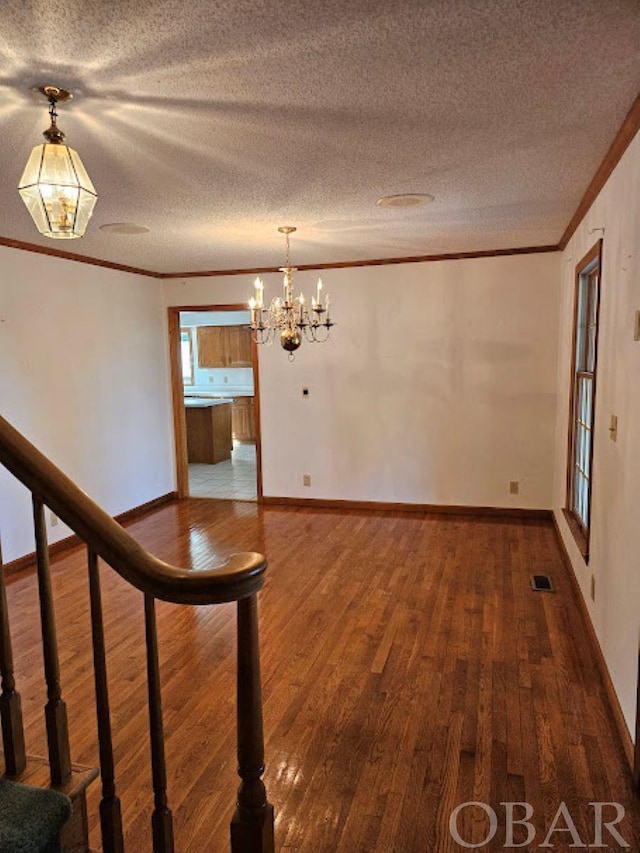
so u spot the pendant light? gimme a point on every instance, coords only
(55, 185)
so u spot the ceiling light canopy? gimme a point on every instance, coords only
(289, 317)
(55, 185)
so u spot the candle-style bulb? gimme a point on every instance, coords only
(259, 285)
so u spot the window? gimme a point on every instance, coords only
(583, 392)
(186, 350)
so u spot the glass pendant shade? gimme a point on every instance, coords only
(57, 191)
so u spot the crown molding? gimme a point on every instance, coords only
(622, 141)
(72, 256)
(370, 262)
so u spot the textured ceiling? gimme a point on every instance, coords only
(212, 123)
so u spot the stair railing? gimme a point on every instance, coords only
(239, 579)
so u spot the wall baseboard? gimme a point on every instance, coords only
(436, 509)
(612, 696)
(69, 542)
(144, 508)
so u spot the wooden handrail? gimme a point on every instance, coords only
(240, 576)
(238, 579)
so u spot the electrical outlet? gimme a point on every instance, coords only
(305, 392)
(514, 487)
(593, 588)
(226, 380)
(306, 479)
(53, 519)
(211, 380)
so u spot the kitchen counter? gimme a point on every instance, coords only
(203, 402)
(217, 393)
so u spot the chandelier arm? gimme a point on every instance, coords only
(321, 340)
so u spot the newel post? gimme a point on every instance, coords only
(252, 822)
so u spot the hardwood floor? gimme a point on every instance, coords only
(408, 667)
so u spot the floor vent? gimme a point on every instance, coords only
(541, 583)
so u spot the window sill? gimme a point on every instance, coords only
(578, 534)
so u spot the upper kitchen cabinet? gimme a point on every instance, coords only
(238, 346)
(211, 346)
(224, 346)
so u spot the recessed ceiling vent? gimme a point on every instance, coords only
(405, 200)
(124, 228)
(541, 583)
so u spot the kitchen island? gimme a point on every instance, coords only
(208, 429)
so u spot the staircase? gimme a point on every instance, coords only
(56, 788)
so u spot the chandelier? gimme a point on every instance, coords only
(287, 316)
(55, 186)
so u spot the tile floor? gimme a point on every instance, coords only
(234, 479)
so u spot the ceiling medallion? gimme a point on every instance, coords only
(55, 186)
(288, 316)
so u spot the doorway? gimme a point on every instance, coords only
(215, 394)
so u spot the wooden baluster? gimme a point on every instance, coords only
(161, 821)
(252, 822)
(110, 812)
(55, 709)
(10, 707)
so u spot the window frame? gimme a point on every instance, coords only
(590, 263)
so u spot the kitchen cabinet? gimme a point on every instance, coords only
(211, 346)
(243, 420)
(224, 346)
(238, 346)
(208, 432)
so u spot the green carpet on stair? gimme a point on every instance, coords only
(31, 818)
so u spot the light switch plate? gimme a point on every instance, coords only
(613, 428)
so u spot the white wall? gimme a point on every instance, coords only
(84, 376)
(615, 535)
(437, 386)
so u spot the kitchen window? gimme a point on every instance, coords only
(186, 351)
(583, 392)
